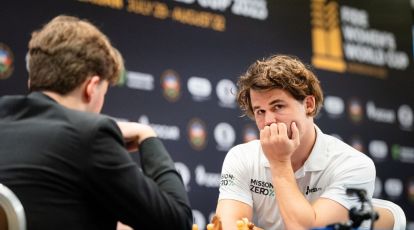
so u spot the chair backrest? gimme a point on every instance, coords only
(12, 215)
(391, 216)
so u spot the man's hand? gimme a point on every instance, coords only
(134, 133)
(276, 144)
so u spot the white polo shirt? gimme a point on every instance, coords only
(331, 167)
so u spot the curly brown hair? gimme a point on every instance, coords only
(279, 72)
(68, 50)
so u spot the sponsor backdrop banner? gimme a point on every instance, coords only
(183, 58)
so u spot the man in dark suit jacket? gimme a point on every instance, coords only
(70, 166)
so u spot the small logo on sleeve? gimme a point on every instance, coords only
(262, 187)
(311, 190)
(226, 180)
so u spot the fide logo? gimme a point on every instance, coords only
(6, 61)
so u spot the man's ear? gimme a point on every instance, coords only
(310, 105)
(91, 85)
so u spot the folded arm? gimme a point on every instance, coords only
(151, 197)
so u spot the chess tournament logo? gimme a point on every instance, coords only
(197, 134)
(6, 61)
(170, 83)
(343, 40)
(326, 36)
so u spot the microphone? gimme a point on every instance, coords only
(358, 216)
(360, 193)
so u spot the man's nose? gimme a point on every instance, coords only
(270, 118)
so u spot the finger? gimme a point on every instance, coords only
(131, 146)
(282, 129)
(274, 129)
(295, 133)
(265, 133)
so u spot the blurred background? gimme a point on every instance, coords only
(183, 58)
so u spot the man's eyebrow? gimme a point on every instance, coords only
(275, 101)
(270, 103)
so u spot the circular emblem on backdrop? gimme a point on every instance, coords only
(393, 187)
(199, 88)
(250, 133)
(6, 61)
(334, 106)
(224, 135)
(378, 149)
(171, 86)
(197, 134)
(226, 93)
(355, 110)
(405, 117)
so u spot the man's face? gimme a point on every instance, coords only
(277, 106)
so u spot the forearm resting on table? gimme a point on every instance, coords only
(230, 211)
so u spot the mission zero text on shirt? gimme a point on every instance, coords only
(261, 187)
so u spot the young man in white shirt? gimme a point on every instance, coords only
(295, 176)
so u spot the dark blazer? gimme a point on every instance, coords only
(71, 171)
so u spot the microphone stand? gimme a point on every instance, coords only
(357, 216)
